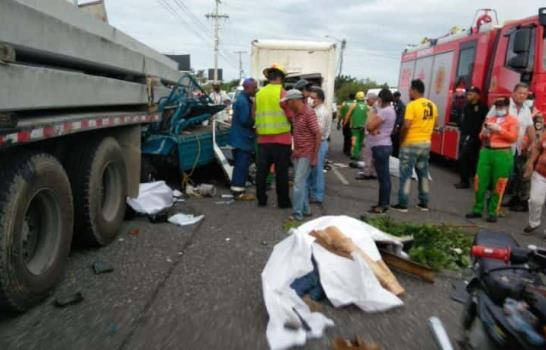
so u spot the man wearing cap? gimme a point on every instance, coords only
(242, 139)
(304, 86)
(307, 139)
(368, 172)
(274, 138)
(474, 113)
(498, 135)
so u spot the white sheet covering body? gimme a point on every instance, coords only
(152, 198)
(344, 281)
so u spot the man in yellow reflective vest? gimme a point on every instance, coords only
(273, 137)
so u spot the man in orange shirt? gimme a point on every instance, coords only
(498, 135)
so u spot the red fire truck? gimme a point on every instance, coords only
(490, 56)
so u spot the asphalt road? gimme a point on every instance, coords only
(200, 287)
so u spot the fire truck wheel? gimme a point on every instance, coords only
(36, 221)
(98, 175)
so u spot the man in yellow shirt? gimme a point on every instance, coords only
(415, 138)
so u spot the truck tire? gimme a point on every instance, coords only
(36, 222)
(98, 175)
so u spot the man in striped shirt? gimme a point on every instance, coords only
(307, 138)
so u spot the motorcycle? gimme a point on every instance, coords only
(506, 304)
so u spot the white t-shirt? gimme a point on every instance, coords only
(524, 118)
(324, 116)
(218, 98)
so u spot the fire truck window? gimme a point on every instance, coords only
(511, 54)
(466, 62)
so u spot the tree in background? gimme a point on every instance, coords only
(346, 85)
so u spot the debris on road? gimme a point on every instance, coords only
(185, 219)
(340, 343)
(134, 232)
(159, 218)
(460, 293)
(227, 196)
(292, 259)
(69, 299)
(228, 202)
(412, 268)
(440, 335)
(228, 239)
(153, 198)
(440, 247)
(100, 266)
(202, 190)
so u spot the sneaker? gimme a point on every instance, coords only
(529, 230)
(473, 216)
(400, 208)
(462, 185)
(492, 219)
(422, 207)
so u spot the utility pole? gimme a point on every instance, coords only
(241, 70)
(216, 16)
(343, 45)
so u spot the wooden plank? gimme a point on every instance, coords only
(410, 267)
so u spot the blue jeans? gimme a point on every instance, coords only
(316, 179)
(242, 161)
(300, 196)
(381, 155)
(414, 156)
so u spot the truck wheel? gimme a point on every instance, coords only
(36, 221)
(98, 175)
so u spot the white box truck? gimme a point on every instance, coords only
(314, 61)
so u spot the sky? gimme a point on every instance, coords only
(377, 31)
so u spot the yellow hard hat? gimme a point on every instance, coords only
(276, 67)
(360, 96)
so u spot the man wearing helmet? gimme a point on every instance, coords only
(273, 137)
(356, 117)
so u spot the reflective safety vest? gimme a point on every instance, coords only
(270, 117)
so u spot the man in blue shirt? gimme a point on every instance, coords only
(242, 138)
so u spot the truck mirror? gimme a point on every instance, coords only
(522, 40)
(542, 16)
(519, 62)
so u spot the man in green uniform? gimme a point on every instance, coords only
(356, 117)
(346, 127)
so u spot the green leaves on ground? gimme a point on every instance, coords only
(437, 246)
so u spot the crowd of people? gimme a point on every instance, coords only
(501, 149)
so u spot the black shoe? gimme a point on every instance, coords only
(400, 208)
(462, 185)
(529, 230)
(262, 204)
(353, 165)
(473, 215)
(284, 205)
(492, 219)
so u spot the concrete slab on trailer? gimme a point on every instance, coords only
(36, 88)
(58, 30)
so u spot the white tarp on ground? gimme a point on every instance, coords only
(344, 281)
(152, 198)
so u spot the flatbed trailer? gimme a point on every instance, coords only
(73, 101)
